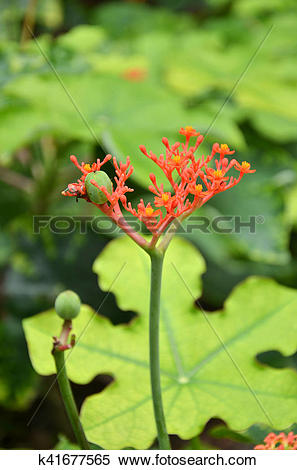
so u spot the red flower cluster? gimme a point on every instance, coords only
(193, 182)
(279, 442)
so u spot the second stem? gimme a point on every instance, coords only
(156, 279)
(68, 400)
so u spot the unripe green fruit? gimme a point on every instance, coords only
(67, 305)
(94, 193)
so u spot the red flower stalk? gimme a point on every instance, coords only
(279, 442)
(193, 182)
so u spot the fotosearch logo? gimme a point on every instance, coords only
(223, 224)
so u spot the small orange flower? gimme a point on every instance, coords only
(149, 212)
(176, 158)
(244, 167)
(218, 174)
(222, 149)
(136, 74)
(197, 190)
(177, 161)
(188, 131)
(164, 200)
(279, 441)
(146, 211)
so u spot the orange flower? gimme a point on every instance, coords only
(147, 213)
(222, 149)
(279, 441)
(244, 167)
(188, 131)
(165, 200)
(135, 74)
(197, 191)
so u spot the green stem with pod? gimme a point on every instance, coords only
(67, 306)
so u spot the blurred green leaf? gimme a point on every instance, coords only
(82, 39)
(253, 7)
(65, 444)
(291, 206)
(25, 124)
(128, 20)
(50, 13)
(222, 432)
(18, 380)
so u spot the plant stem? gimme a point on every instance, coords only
(156, 278)
(164, 243)
(68, 399)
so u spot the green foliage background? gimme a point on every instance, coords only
(226, 67)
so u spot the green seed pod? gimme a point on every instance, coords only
(94, 193)
(67, 305)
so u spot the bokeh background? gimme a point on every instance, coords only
(101, 77)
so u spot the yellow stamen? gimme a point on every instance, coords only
(189, 128)
(149, 211)
(165, 197)
(198, 188)
(246, 165)
(224, 147)
(176, 158)
(218, 174)
(87, 167)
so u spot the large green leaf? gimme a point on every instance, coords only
(116, 120)
(208, 364)
(124, 254)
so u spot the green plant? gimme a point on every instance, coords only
(134, 73)
(197, 183)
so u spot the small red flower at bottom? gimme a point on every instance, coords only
(279, 442)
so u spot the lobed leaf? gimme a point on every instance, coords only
(208, 361)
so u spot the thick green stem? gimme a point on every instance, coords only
(156, 278)
(68, 399)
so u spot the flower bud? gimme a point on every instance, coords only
(67, 305)
(102, 179)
